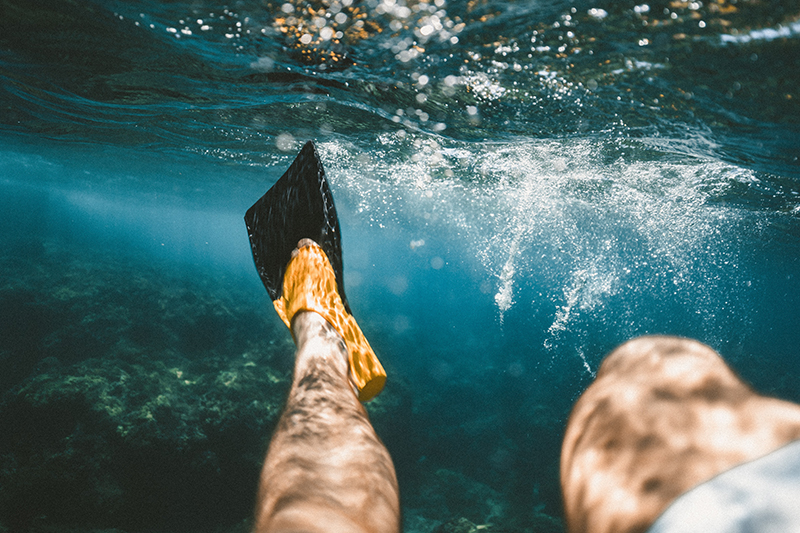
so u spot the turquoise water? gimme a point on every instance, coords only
(521, 187)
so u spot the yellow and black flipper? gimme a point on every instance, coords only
(300, 206)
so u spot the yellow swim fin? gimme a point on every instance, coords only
(300, 206)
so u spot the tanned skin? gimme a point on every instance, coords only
(663, 415)
(326, 470)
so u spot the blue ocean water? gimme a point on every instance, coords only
(522, 186)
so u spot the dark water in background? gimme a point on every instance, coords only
(521, 186)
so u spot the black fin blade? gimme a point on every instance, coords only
(298, 206)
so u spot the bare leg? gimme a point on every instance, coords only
(664, 415)
(326, 470)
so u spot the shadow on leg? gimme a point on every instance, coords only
(664, 415)
(326, 470)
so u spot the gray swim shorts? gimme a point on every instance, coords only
(761, 496)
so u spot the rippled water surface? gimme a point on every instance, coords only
(521, 187)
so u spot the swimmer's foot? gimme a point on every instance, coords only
(308, 276)
(309, 284)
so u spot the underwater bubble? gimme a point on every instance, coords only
(285, 142)
(398, 285)
(263, 64)
(516, 369)
(597, 13)
(401, 324)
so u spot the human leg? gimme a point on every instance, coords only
(326, 470)
(664, 415)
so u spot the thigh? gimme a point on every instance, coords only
(663, 415)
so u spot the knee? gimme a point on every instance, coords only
(659, 356)
(648, 377)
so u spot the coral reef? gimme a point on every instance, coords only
(141, 397)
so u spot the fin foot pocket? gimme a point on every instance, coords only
(299, 207)
(309, 284)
